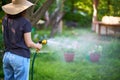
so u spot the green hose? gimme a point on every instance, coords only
(32, 68)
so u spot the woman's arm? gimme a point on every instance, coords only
(30, 43)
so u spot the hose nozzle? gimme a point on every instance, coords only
(43, 41)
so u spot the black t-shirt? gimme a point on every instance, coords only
(14, 30)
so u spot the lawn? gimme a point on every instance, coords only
(51, 65)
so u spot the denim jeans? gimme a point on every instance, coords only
(15, 67)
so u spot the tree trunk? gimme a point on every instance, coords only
(95, 5)
(55, 24)
(35, 16)
(56, 18)
(60, 27)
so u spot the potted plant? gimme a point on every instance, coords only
(69, 55)
(95, 53)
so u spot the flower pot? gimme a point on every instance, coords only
(69, 57)
(94, 57)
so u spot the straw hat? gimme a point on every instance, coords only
(16, 6)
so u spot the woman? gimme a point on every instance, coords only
(17, 40)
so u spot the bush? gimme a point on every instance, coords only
(82, 20)
(1, 52)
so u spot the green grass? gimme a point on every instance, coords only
(57, 70)
(51, 65)
(46, 69)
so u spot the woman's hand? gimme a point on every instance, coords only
(30, 43)
(38, 46)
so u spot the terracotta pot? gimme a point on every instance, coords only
(69, 57)
(94, 57)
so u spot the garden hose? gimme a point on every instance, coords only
(32, 68)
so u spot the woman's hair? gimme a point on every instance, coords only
(17, 15)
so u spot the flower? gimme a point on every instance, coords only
(97, 49)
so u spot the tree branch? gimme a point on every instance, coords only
(32, 9)
(41, 11)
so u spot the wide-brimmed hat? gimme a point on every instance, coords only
(16, 6)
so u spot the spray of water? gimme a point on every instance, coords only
(60, 46)
(65, 44)
(81, 45)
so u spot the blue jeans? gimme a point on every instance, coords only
(15, 67)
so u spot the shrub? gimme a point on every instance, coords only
(1, 52)
(82, 20)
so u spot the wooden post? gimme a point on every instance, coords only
(95, 5)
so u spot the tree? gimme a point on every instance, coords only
(35, 15)
(56, 18)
